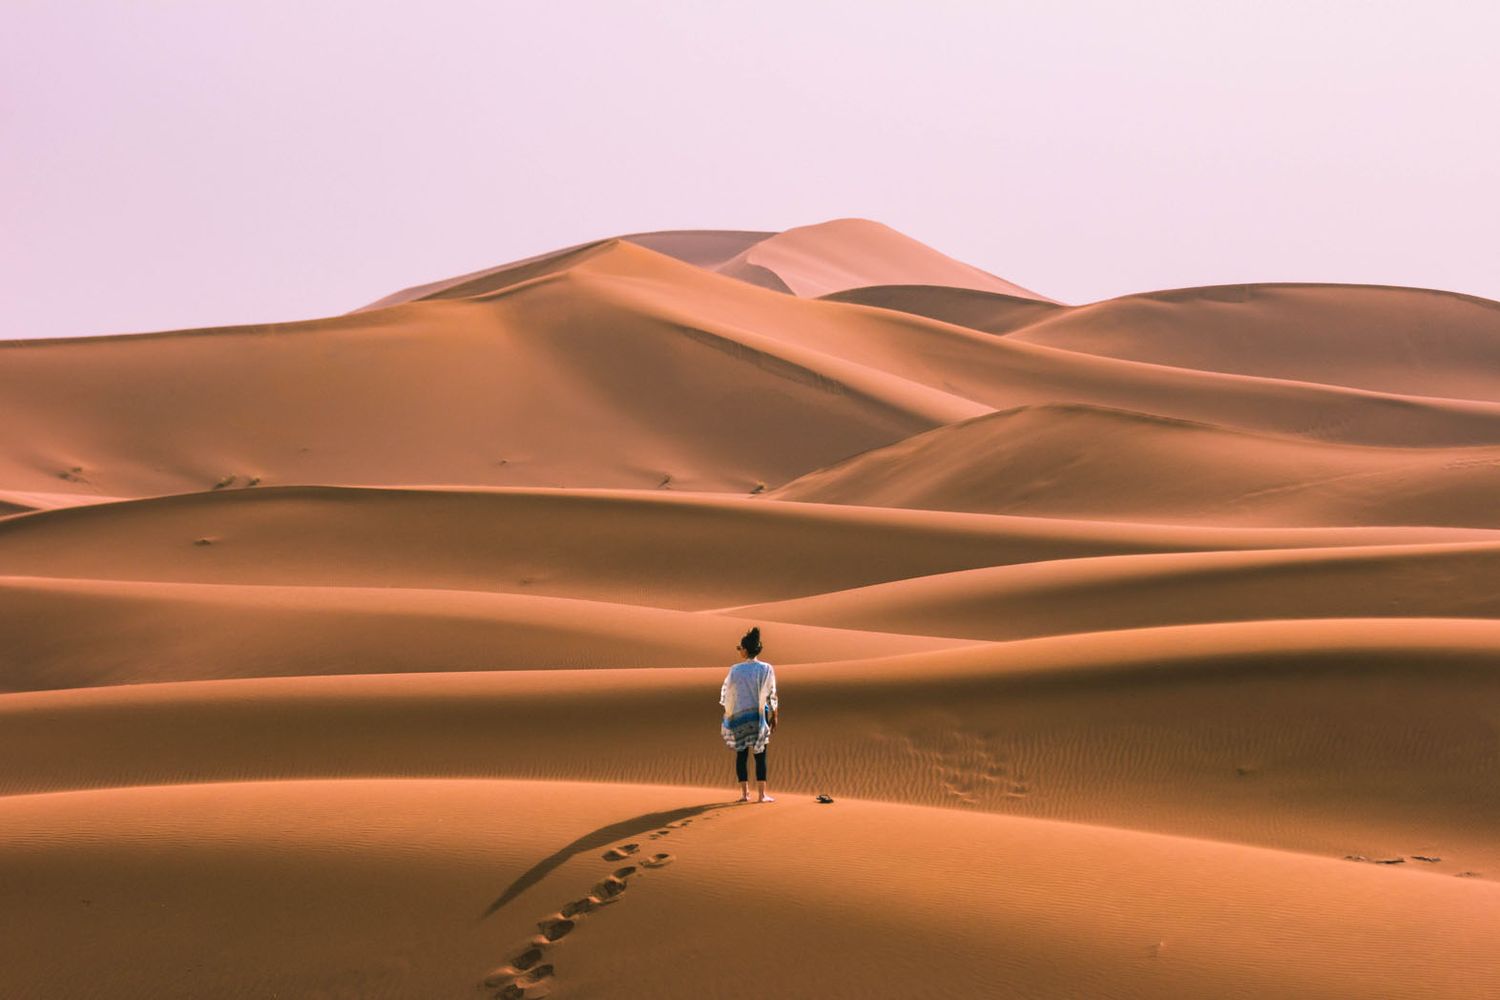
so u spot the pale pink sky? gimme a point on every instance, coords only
(198, 163)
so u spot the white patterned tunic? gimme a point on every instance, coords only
(749, 689)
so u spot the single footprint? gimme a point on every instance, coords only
(658, 861)
(535, 983)
(555, 928)
(584, 905)
(609, 888)
(503, 976)
(621, 853)
(680, 823)
(518, 967)
(625, 872)
(1423, 857)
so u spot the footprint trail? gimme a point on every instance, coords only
(528, 974)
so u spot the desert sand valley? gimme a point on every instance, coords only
(1147, 648)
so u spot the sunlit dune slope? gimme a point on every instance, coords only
(1333, 737)
(1089, 462)
(488, 391)
(376, 889)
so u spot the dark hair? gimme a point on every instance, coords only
(751, 642)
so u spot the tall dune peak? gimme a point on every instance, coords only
(806, 261)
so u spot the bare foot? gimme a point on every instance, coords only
(765, 798)
(745, 797)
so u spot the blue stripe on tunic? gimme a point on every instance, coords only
(743, 729)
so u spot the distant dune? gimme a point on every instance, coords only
(1089, 462)
(1147, 648)
(1401, 340)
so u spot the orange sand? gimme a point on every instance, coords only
(376, 656)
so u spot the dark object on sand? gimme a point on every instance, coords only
(825, 799)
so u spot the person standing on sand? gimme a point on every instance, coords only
(750, 709)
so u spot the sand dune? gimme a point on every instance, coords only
(484, 392)
(1051, 597)
(25, 501)
(1149, 648)
(1329, 737)
(1090, 462)
(991, 312)
(686, 379)
(1401, 340)
(191, 871)
(626, 547)
(852, 253)
(76, 633)
(806, 261)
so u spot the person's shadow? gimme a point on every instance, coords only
(597, 838)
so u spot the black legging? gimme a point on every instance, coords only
(741, 759)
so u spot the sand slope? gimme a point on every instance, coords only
(1091, 462)
(852, 253)
(627, 547)
(64, 633)
(211, 863)
(1329, 736)
(486, 392)
(1404, 340)
(806, 261)
(1149, 648)
(684, 379)
(1023, 600)
(991, 312)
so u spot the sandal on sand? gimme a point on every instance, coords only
(825, 799)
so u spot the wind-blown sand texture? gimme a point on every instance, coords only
(1148, 648)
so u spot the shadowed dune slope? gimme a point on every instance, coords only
(1135, 591)
(989, 312)
(706, 248)
(78, 633)
(1375, 738)
(625, 547)
(1088, 462)
(1401, 340)
(852, 253)
(376, 888)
